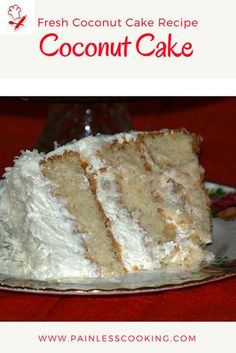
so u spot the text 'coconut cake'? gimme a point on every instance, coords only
(105, 205)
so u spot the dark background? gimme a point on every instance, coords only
(22, 122)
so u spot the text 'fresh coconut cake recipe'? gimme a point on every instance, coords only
(104, 206)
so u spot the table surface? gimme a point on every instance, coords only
(215, 120)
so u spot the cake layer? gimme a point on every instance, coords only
(71, 185)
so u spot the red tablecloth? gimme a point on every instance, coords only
(216, 121)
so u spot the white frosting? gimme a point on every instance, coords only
(132, 239)
(38, 238)
(37, 234)
(90, 145)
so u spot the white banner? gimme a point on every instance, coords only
(139, 337)
(119, 40)
(117, 48)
